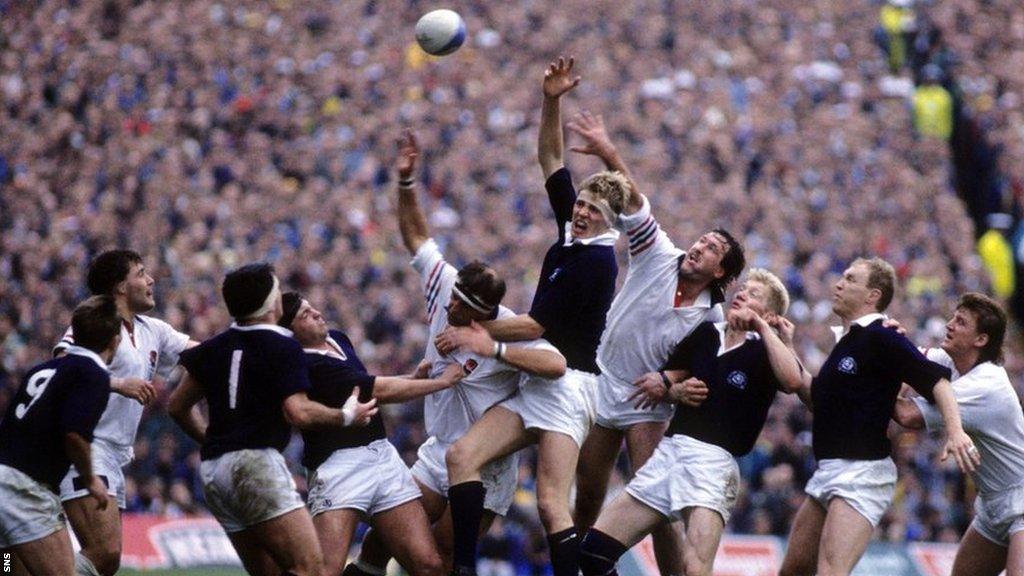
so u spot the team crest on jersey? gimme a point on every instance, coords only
(848, 365)
(469, 366)
(738, 379)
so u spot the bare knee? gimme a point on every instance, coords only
(427, 565)
(694, 565)
(458, 459)
(106, 557)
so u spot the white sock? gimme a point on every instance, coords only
(84, 567)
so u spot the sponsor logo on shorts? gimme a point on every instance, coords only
(848, 365)
(738, 379)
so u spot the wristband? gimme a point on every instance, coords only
(348, 411)
(665, 380)
(499, 350)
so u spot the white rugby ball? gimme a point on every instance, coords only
(440, 32)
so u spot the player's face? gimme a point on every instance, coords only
(138, 289)
(309, 325)
(851, 292)
(587, 221)
(704, 259)
(753, 296)
(459, 313)
(962, 333)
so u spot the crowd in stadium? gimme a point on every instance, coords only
(204, 135)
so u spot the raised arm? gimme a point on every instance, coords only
(536, 361)
(395, 389)
(785, 365)
(411, 221)
(515, 329)
(558, 80)
(597, 143)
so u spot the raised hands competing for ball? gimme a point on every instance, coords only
(408, 152)
(591, 128)
(558, 78)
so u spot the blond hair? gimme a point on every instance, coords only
(611, 186)
(778, 296)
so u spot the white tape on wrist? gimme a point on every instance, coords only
(348, 411)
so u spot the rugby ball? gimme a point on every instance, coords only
(440, 32)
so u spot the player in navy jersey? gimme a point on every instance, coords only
(575, 289)
(47, 427)
(724, 377)
(355, 472)
(255, 381)
(852, 398)
(148, 352)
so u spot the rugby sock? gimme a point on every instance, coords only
(565, 552)
(84, 566)
(599, 553)
(359, 568)
(467, 503)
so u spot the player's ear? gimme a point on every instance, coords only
(981, 340)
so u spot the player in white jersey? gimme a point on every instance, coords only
(149, 347)
(457, 298)
(667, 293)
(991, 414)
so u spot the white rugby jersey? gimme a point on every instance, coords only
(991, 415)
(449, 413)
(151, 349)
(644, 325)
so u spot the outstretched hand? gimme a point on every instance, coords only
(408, 152)
(473, 338)
(558, 78)
(591, 128)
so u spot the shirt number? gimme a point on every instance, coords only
(36, 386)
(236, 361)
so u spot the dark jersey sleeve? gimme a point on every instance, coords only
(88, 393)
(562, 196)
(681, 357)
(191, 359)
(898, 353)
(292, 367)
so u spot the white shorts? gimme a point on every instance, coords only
(246, 487)
(369, 478)
(999, 516)
(107, 463)
(565, 405)
(866, 485)
(500, 477)
(686, 473)
(28, 509)
(616, 412)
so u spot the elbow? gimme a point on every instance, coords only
(555, 370)
(296, 414)
(792, 385)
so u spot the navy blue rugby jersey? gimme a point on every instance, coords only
(856, 389)
(741, 388)
(60, 396)
(247, 372)
(576, 285)
(332, 382)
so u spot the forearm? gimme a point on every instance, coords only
(315, 416)
(945, 401)
(543, 363)
(907, 414)
(192, 423)
(804, 393)
(549, 140)
(515, 329)
(411, 221)
(396, 389)
(783, 360)
(79, 453)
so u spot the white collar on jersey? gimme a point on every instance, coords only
(271, 327)
(80, 351)
(336, 351)
(606, 239)
(864, 320)
(721, 326)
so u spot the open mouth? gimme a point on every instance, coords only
(579, 226)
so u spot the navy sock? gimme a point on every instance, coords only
(467, 503)
(599, 553)
(565, 552)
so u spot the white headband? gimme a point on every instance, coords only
(600, 204)
(472, 301)
(268, 304)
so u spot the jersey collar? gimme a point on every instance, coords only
(863, 322)
(271, 327)
(80, 351)
(606, 239)
(721, 326)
